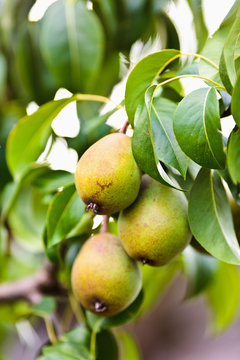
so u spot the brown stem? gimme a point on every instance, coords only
(104, 227)
(124, 128)
(31, 288)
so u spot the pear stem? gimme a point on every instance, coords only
(124, 128)
(104, 227)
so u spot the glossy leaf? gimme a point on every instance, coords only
(235, 101)
(143, 149)
(71, 346)
(214, 46)
(233, 156)
(52, 180)
(119, 319)
(223, 296)
(3, 75)
(163, 277)
(128, 347)
(64, 214)
(164, 141)
(106, 346)
(210, 218)
(197, 128)
(28, 139)
(45, 307)
(198, 20)
(200, 270)
(143, 75)
(72, 43)
(227, 65)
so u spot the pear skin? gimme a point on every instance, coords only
(107, 176)
(154, 229)
(104, 278)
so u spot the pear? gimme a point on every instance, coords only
(154, 229)
(107, 177)
(104, 278)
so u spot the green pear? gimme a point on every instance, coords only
(154, 229)
(107, 177)
(104, 278)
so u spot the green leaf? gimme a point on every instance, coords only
(235, 101)
(163, 276)
(52, 180)
(27, 221)
(71, 346)
(143, 149)
(143, 75)
(3, 75)
(210, 218)
(119, 319)
(233, 156)
(106, 346)
(64, 214)
(72, 43)
(165, 144)
(200, 270)
(128, 347)
(198, 20)
(223, 296)
(214, 46)
(227, 65)
(46, 307)
(28, 139)
(197, 128)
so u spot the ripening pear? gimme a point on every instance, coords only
(107, 177)
(154, 229)
(104, 278)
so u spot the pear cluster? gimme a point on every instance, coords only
(152, 226)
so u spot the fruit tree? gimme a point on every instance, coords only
(84, 252)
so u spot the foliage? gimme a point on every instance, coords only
(177, 140)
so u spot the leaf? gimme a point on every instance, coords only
(72, 44)
(143, 75)
(52, 180)
(223, 296)
(153, 290)
(46, 307)
(235, 101)
(106, 346)
(210, 218)
(214, 46)
(227, 65)
(200, 270)
(27, 221)
(3, 75)
(28, 139)
(198, 20)
(233, 156)
(64, 214)
(119, 319)
(128, 347)
(143, 150)
(165, 144)
(71, 346)
(197, 128)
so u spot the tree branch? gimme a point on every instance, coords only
(33, 287)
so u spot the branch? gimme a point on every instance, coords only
(33, 287)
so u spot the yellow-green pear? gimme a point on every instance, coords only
(104, 278)
(154, 229)
(107, 177)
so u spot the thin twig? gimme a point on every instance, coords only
(104, 226)
(124, 128)
(31, 288)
